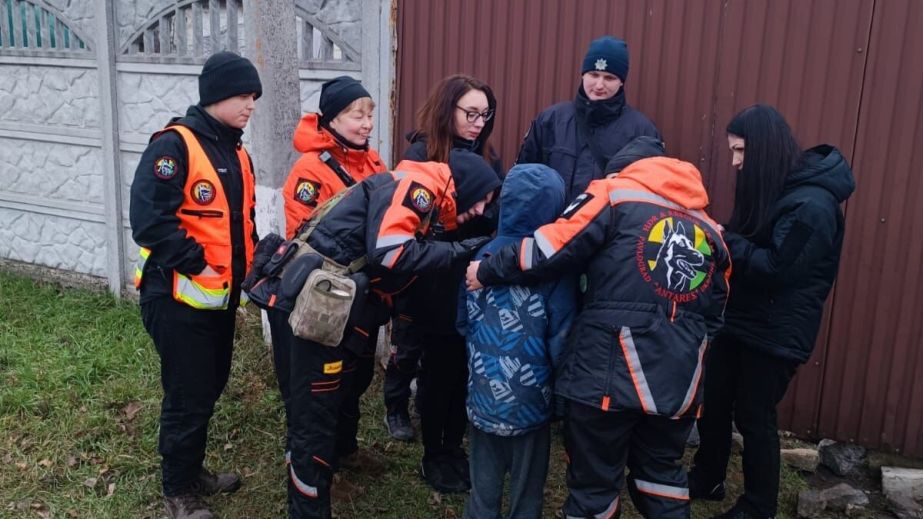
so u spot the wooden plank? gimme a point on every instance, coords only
(179, 31)
(165, 31)
(197, 28)
(214, 25)
(232, 25)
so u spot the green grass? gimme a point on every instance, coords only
(79, 402)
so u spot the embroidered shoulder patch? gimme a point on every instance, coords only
(306, 192)
(165, 168)
(203, 192)
(419, 198)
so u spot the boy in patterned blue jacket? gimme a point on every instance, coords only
(515, 337)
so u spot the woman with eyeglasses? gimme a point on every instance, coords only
(577, 138)
(458, 114)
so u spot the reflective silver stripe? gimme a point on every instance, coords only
(527, 244)
(300, 485)
(399, 174)
(662, 490)
(637, 373)
(392, 239)
(690, 393)
(544, 245)
(605, 514)
(198, 297)
(391, 257)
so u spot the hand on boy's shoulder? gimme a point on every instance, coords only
(471, 276)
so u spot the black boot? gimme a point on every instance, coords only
(209, 484)
(187, 506)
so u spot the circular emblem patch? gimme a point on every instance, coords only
(203, 192)
(306, 192)
(165, 168)
(674, 255)
(422, 199)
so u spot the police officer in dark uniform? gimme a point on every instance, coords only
(192, 213)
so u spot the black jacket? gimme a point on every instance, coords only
(154, 202)
(656, 287)
(556, 137)
(431, 302)
(780, 282)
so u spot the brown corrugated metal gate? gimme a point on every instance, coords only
(846, 72)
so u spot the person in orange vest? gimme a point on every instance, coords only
(192, 213)
(335, 155)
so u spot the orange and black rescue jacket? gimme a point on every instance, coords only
(311, 181)
(657, 282)
(206, 217)
(386, 217)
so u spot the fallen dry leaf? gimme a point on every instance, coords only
(45, 463)
(130, 410)
(90, 482)
(110, 489)
(72, 462)
(22, 465)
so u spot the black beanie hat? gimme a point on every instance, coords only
(642, 147)
(473, 177)
(337, 94)
(225, 75)
(607, 54)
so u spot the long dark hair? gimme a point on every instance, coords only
(436, 119)
(770, 153)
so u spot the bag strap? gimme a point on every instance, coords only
(332, 163)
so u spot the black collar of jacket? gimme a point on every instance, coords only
(598, 113)
(206, 126)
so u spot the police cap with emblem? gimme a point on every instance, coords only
(607, 54)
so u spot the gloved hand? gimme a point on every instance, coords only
(261, 255)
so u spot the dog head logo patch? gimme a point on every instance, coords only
(203, 192)
(165, 168)
(674, 253)
(306, 192)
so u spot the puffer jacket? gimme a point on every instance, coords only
(556, 137)
(311, 181)
(515, 335)
(782, 277)
(657, 281)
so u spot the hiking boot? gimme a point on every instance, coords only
(187, 506)
(208, 484)
(399, 426)
(363, 461)
(706, 493)
(441, 476)
(342, 489)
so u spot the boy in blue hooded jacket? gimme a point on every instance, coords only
(515, 339)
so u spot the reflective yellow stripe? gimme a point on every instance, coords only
(197, 296)
(143, 255)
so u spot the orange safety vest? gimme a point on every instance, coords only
(206, 217)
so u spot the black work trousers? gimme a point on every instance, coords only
(745, 385)
(600, 444)
(323, 385)
(444, 374)
(195, 348)
(403, 364)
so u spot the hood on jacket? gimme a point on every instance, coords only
(673, 179)
(532, 195)
(823, 166)
(311, 136)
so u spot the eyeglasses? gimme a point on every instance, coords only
(472, 115)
